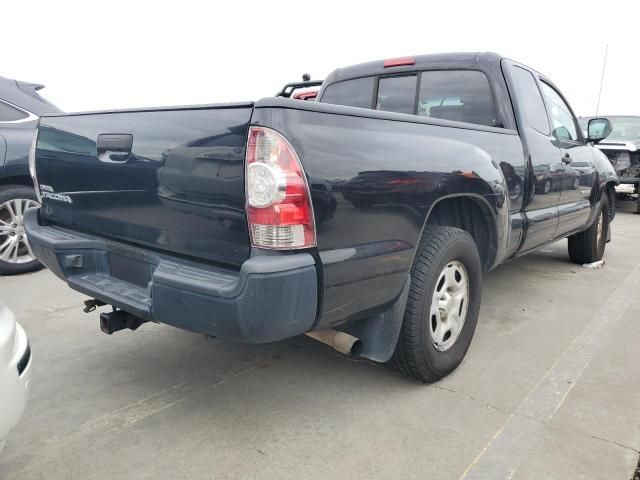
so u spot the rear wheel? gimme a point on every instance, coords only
(442, 307)
(588, 246)
(15, 252)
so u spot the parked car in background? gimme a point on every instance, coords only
(206, 217)
(15, 372)
(622, 147)
(20, 108)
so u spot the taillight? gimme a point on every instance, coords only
(399, 62)
(32, 166)
(279, 208)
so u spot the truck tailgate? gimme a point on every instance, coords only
(171, 179)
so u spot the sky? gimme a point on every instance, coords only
(95, 55)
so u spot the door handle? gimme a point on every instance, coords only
(567, 159)
(114, 147)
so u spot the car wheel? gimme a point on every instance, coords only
(638, 202)
(588, 246)
(442, 306)
(576, 183)
(15, 252)
(547, 186)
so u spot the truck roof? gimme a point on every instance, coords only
(420, 61)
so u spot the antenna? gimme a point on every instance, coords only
(604, 64)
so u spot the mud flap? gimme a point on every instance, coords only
(379, 334)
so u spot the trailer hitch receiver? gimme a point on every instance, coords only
(111, 322)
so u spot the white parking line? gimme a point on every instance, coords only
(513, 441)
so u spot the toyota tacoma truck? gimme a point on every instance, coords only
(366, 219)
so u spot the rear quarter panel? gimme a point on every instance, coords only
(374, 176)
(14, 149)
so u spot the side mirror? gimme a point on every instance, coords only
(598, 129)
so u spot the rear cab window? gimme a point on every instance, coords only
(459, 95)
(352, 93)
(397, 94)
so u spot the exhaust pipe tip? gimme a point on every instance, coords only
(356, 348)
(340, 341)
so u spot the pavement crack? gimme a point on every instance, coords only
(613, 442)
(47, 311)
(470, 397)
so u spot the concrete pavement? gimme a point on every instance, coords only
(549, 389)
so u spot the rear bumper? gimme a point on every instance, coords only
(270, 298)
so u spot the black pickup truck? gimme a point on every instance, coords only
(366, 218)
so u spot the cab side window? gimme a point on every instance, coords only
(563, 123)
(459, 95)
(531, 100)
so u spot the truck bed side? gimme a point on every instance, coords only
(357, 159)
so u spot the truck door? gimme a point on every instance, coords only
(578, 168)
(543, 177)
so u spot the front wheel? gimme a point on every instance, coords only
(588, 246)
(15, 252)
(442, 307)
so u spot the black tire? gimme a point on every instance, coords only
(415, 355)
(638, 201)
(12, 192)
(586, 246)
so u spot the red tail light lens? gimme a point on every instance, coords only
(279, 209)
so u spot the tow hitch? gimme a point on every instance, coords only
(91, 305)
(111, 322)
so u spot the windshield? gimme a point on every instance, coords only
(623, 128)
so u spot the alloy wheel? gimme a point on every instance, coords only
(14, 245)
